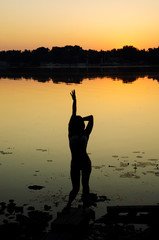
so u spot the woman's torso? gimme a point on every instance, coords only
(78, 147)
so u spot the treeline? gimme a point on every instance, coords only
(75, 55)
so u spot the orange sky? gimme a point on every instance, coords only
(94, 24)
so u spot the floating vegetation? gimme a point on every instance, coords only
(2, 152)
(150, 171)
(143, 164)
(98, 167)
(153, 159)
(129, 175)
(133, 165)
(124, 164)
(156, 168)
(102, 198)
(119, 197)
(153, 172)
(42, 150)
(119, 169)
(136, 176)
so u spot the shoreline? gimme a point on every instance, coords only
(25, 222)
(70, 66)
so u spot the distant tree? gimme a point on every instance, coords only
(128, 55)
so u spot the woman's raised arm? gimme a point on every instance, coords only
(74, 106)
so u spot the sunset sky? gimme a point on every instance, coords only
(91, 24)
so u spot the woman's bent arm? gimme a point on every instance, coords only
(90, 124)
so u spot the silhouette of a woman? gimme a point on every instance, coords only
(78, 139)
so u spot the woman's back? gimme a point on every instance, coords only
(78, 145)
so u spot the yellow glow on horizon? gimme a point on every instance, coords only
(96, 24)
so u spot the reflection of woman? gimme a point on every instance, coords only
(78, 139)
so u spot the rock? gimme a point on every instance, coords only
(19, 209)
(23, 220)
(30, 208)
(36, 187)
(47, 208)
(39, 218)
(18, 226)
(3, 206)
(11, 207)
(103, 199)
(10, 231)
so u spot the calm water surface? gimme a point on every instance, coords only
(123, 146)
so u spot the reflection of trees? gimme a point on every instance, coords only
(77, 75)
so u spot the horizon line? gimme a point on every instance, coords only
(69, 45)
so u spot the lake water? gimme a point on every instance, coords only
(123, 145)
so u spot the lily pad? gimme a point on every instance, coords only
(124, 164)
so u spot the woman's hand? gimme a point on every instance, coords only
(73, 94)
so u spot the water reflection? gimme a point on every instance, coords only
(34, 147)
(77, 75)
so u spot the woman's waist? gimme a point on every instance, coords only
(84, 162)
(80, 156)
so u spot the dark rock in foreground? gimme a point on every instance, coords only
(36, 187)
(17, 226)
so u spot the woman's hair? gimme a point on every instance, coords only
(76, 125)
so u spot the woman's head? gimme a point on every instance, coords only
(76, 125)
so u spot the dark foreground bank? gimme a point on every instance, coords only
(27, 223)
